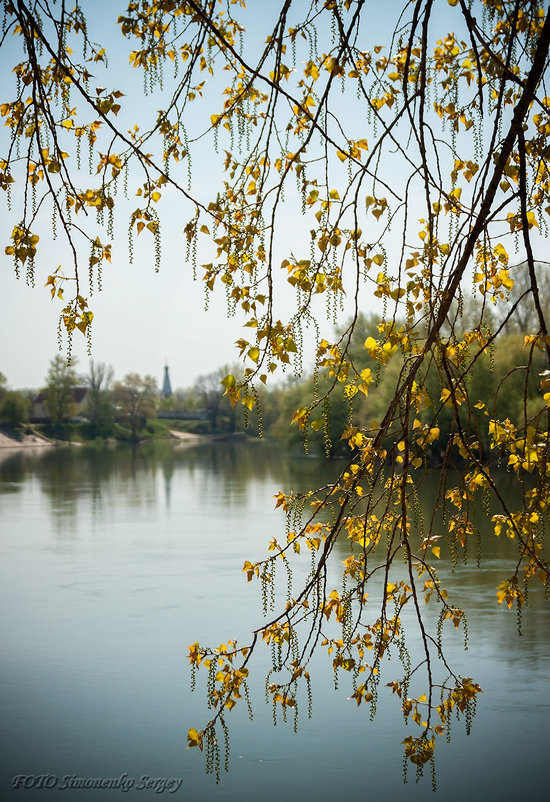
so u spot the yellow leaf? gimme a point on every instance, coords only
(254, 354)
(229, 381)
(194, 739)
(342, 156)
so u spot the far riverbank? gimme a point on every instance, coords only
(15, 438)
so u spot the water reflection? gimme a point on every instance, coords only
(16, 465)
(114, 560)
(72, 475)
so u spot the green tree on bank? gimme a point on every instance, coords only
(100, 410)
(135, 399)
(14, 408)
(58, 391)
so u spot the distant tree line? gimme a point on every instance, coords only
(126, 408)
(131, 402)
(504, 383)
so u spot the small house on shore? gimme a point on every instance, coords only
(40, 414)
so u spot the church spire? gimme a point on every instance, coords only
(166, 386)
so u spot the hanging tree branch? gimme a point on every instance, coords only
(414, 124)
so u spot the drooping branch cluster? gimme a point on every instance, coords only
(409, 170)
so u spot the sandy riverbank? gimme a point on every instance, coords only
(13, 438)
(188, 439)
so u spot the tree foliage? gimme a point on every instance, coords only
(135, 400)
(99, 405)
(58, 392)
(14, 408)
(410, 169)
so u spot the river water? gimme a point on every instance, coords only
(114, 561)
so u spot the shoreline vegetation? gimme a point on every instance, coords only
(12, 437)
(133, 411)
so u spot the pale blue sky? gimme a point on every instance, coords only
(143, 318)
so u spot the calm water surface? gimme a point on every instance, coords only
(113, 562)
